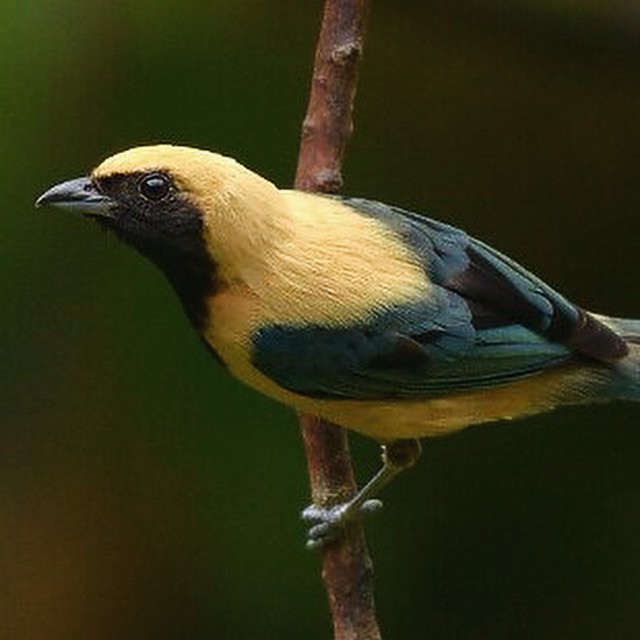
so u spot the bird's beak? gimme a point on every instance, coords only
(80, 195)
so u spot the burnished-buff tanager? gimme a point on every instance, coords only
(373, 317)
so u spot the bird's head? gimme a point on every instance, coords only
(189, 211)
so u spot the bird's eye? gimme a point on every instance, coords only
(154, 186)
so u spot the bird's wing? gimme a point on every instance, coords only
(367, 363)
(486, 322)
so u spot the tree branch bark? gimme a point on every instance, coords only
(347, 569)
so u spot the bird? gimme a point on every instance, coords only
(373, 317)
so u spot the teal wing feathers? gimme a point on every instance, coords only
(486, 322)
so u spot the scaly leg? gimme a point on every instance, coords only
(329, 522)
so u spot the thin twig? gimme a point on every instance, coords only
(346, 566)
(328, 124)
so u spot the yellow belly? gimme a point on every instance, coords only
(389, 420)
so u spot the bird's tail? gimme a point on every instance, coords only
(625, 383)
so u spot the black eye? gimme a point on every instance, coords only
(154, 186)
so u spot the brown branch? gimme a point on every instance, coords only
(347, 569)
(327, 125)
(346, 566)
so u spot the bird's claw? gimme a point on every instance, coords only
(328, 523)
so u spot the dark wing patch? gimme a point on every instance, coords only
(498, 290)
(593, 338)
(485, 284)
(401, 353)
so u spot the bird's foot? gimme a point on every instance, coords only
(328, 523)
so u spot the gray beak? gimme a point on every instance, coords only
(79, 195)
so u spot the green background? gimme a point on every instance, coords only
(143, 494)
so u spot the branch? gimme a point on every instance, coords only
(346, 566)
(327, 125)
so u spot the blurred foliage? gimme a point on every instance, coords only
(143, 494)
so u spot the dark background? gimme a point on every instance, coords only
(143, 494)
